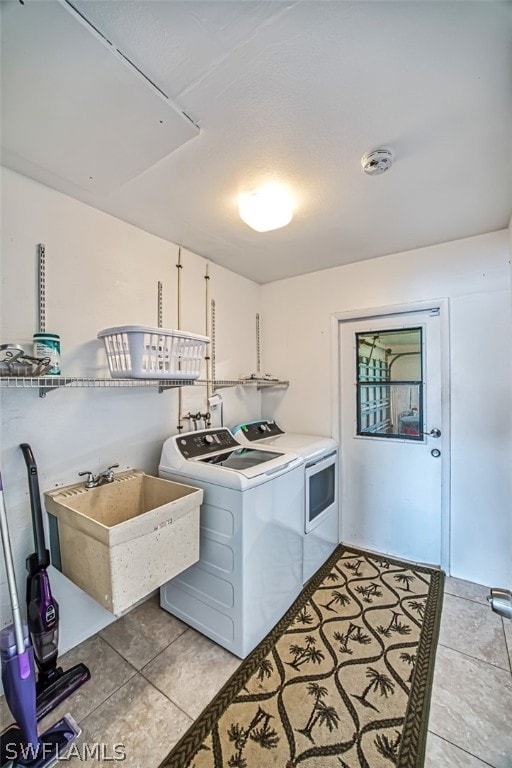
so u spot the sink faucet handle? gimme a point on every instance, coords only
(90, 478)
(112, 466)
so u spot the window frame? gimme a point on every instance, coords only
(381, 403)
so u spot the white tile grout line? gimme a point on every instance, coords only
(135, 671)
(148, 682)
(469, 599)
(475, 658)
(113, 648)
(152, 657)
(192, 718)
(509, 650)
(484, 762)
(129, 679)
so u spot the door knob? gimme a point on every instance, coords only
(433, 432)
(435, 452)
(501, 602)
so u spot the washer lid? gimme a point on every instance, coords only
(241, 458)
(265, 432)
(307, 446)
(200, 455)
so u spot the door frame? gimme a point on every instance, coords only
(399, 310)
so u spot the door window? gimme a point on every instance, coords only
(390, 383)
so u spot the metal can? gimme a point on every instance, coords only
(48, 345)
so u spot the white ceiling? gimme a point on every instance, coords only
(293, 92)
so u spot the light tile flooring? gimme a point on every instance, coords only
(152, 675)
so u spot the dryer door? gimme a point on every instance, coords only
(321, 495)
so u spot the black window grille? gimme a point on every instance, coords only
(390, 383)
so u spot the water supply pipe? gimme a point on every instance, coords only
(258, 346)
(207, 355)
(178, 305)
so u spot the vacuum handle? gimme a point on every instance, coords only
(11, 578)
(35, 504)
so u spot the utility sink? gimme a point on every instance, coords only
(122, 540)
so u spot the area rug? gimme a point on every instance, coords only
(342, 681)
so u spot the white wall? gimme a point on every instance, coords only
(474, 273)
(100, 272)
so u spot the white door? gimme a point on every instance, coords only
(391, 441)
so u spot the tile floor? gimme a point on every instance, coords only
(152, 675)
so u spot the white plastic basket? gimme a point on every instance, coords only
(141, 352)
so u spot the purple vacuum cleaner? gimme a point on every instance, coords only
(53, 684)
(26, 747)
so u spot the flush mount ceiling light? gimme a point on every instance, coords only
(267, 208)
(377, 161)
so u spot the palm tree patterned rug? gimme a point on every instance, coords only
(342, 681)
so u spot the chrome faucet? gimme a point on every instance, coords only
(93, 481)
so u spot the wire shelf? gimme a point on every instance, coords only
(48, 383)
(258, 383)
(263, 383)
(54, 382)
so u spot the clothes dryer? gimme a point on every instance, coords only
(320, 484)
(250, 566)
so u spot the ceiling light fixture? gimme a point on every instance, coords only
(267, 208)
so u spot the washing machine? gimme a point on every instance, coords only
(250, 566)
(320, 516)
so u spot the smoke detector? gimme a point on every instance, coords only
(377, 161)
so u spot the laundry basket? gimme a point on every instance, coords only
(142, 352)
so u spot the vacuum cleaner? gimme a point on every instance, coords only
(26, 748)
(53, 684)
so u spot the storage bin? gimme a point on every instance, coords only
(122, 540)
(143, 352)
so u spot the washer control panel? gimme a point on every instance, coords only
(203, 442)
(257, 430)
